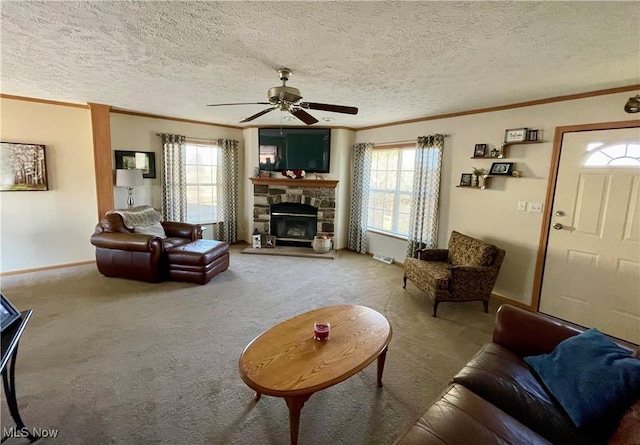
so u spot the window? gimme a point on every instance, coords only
(391, 190)
(201, 166)
(626, 154)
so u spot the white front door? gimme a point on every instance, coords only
(592, 266)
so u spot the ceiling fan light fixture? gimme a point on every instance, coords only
(286, 98)
(633, 104)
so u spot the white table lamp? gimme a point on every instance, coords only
(129, 179)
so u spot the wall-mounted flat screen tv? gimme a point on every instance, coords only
(307, 149)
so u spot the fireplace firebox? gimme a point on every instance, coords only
(293, 224)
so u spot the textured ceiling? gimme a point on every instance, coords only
(392, 60)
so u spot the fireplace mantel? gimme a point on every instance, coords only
(295, 182)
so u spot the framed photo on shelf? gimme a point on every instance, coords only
(465, 180)
(480, 151)
(8, 313)
(532, 135)
(501, 168)
(143, 160)
(270, 242)
(516, 135)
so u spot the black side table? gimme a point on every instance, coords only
(10, 340)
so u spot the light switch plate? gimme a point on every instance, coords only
(535, 207)
(522, 206)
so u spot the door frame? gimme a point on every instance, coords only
(551, 191)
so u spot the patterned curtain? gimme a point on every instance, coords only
(423, 226)
(227, 189)
(360, 183)
(174, 178)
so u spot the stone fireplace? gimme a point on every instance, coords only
(294, 211)
(293, 224)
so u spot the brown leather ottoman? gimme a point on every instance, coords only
(198, 261)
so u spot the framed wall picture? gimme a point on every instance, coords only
(465, 180)
(501, 168)
(516, 135)
(23, 167)
(8, 313)
(480, 151)
(142, 160)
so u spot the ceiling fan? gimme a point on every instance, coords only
(287, 98)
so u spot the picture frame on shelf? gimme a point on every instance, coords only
(516, 135)
(532, 135)
(270, 242)
(465, 180)
(501, 169)
(142, 160)
(480, 151)
(8, 313)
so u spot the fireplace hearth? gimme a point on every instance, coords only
(293, 224)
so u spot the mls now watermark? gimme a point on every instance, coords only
(14, 432)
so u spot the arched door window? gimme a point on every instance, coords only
(598, 154)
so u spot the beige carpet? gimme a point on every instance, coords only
(112, 361)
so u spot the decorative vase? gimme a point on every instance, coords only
(321, 245)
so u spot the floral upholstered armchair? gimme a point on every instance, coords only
(466, 271)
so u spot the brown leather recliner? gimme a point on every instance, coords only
(120, 252)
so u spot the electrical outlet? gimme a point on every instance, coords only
(535, 207)
(522, 206)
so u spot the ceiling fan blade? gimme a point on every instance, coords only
(303, 116)
(250, 118)
(239, 103)
(329, 107)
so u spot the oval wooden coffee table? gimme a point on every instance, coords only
(286, 361)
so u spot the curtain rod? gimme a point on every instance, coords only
(401, 142)
(194, 139)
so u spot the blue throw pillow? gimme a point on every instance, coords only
(590, 376)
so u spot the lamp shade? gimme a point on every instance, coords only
(128, 178)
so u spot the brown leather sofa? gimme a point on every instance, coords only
(122, 253)
(497, 399)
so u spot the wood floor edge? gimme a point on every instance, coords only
(42, 269)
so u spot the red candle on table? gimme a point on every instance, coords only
(321, 330)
